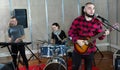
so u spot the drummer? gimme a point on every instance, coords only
(58, 36)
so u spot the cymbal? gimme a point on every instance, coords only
(42, 41)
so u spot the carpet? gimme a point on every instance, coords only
(42, 66)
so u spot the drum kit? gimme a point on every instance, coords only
(55, 53)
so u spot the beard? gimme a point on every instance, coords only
(11, 24)
(88, 15)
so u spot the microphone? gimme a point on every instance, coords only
(103, 19)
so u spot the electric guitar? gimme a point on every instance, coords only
(87, 43)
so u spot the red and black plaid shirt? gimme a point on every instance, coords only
(82, 29)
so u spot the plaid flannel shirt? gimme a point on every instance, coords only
(82, 29)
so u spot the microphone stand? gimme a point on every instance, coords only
(108, 24)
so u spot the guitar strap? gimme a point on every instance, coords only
(57, 34)
(59, 37)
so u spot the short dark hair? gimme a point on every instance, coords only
(89, 3)
(56, 24)
(13, 17)
(82, 10)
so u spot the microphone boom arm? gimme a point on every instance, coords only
(107, 23)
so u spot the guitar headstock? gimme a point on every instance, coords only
(115, 26)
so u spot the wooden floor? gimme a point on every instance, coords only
(103, 63)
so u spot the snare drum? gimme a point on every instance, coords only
(56, 64)
(46, 50)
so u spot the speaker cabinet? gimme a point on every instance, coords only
(21, 15)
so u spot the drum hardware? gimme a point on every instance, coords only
(42, 42)
(56, 52)
(46, 50)
(61, 50)
(38, 44)
(50, 50)
(56, 63)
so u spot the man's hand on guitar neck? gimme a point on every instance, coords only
(82, 42)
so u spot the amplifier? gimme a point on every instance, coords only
(117, 63)
(116, 60)
(115, 55)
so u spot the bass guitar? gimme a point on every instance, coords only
(87, 43)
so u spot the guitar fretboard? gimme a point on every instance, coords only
(96, 36)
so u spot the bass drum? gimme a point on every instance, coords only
(56, 64)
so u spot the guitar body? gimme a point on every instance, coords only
(81, 49)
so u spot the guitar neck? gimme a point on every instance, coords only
(95, 37)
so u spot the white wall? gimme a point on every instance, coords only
(41, 27)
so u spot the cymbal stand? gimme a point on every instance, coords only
(66, 58)
(38, 67)
(100, 54)
(39, 43)
(32, 54)
(38, 51)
